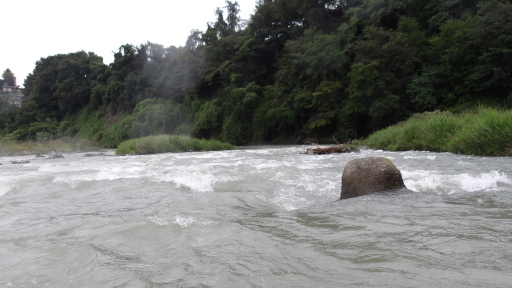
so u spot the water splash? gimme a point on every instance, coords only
(434, 182)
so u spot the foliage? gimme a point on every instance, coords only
(156, 116)
(117, 132)
(169, 143)
(62, 84)
(322, 70)
(90, 126)
(8, 78)
(488, 132)
(242, 103)
(46, 129)
(9, 147)
(485, 131)
(7, 114)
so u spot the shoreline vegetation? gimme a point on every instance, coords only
(294, 71)
(170, 143)
(481, 132)
(342, 148)
(11, 148)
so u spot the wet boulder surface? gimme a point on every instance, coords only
(370, 175)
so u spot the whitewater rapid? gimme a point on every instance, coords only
(264, 216)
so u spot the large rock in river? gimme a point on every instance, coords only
(369, 175)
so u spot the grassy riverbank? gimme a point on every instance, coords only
(43, 147)
(169, 143)
(485, 132)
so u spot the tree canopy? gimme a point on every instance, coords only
(8, 77)
(296, 70)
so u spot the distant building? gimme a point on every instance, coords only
(8, 88)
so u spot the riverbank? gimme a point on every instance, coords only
(170, 143)
(11, 148)
(482, 132)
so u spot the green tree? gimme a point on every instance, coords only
(59, 86)
(310, 81)
(240, 107)
(156, 116)
(233, 17)
(7, 114)
(9, 77)
(452, 56)
(126, 84)
(62, 84)
(385, 62)
(492, 35)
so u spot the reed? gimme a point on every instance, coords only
(487, 133)
(484, 131)
(8, 147)
(169, 143)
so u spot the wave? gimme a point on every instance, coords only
(432, 181)
(182, 221)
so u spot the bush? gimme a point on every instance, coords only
(90, 125)
(117, 132)
(157, 116)
(485, 131)
(169, 143)
(489, 132)
(7, 146)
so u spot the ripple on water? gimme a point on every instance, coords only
(257, 217)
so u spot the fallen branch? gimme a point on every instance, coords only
(344, 148)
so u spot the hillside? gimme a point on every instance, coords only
(296, 71)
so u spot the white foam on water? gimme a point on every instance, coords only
(6, 188)
(185, 221)
(431, 181)
(285, 201)
(58, 167)
(286, 204)
(196, 182)
(121, 172)
(270, 164)
(159, 220)
(310, 166)
(427, 157)
(73, 180)
(483, 181)
(182, 221)
(193, 177)
(12, 181)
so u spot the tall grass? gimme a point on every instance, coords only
(169, 143)
(485, 131)
(8, 147)
(489, 132)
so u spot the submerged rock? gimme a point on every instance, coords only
(20, 162)
(54, 155)
(94, 154)
(370, 175)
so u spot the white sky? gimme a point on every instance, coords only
(40, 28)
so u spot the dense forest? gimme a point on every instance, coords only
(298, 70)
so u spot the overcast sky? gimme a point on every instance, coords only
(39, 28)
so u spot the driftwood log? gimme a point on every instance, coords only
(331, 150)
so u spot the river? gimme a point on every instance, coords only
(262, 216)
